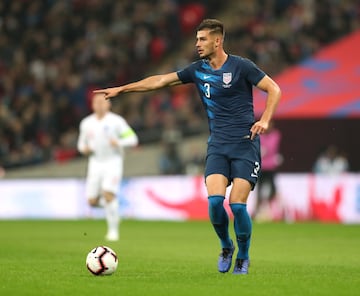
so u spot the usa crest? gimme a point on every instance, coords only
(227, 77)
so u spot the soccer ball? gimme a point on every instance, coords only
(102, 261)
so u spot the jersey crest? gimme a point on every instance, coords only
(227, 77)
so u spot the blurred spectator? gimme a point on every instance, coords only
(271, 159)
(2, 172)
(331, 162)
(170, 162)
(195, 162)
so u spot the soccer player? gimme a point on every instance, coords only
(224, 83)
(103, 136)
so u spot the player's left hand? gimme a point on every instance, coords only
(108, 92)
(258, 128)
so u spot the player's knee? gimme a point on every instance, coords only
(216, 208)
(216, 184)
(215, 201)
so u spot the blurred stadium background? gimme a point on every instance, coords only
(54, 53)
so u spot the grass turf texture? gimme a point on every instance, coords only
(172, 258)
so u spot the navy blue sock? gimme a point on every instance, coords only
(242, 226)
(220, 219)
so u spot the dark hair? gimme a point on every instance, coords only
(214, 25)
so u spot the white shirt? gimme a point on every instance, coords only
(334, 166)
(96, 134)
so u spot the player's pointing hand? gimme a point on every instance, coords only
(108, 92)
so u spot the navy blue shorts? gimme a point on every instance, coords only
(235, 160)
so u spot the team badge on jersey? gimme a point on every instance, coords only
(227, 77)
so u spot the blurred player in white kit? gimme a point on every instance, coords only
(103, 136)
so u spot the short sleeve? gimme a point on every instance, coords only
(186, 75)
(253, 73)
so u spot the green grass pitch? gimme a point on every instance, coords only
(177, 258)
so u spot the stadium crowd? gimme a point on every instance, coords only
(54, 53)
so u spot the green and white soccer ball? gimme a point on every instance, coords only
(102, 260)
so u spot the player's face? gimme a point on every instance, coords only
(99, 105)
(206, 43)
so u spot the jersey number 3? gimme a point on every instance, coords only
(207, 89)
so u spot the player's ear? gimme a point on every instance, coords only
(217, 41)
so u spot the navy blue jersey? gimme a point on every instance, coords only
(226, 95)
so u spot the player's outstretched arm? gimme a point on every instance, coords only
(274, 93)
(147, 84)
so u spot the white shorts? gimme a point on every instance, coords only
(103, 176)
